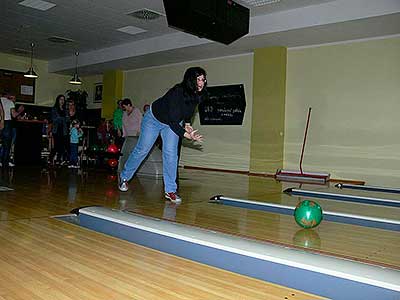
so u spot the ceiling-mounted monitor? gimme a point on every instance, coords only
(222, 21)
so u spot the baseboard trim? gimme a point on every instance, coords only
(270, 175)
(216, 170)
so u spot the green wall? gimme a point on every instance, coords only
(354, 90)
(112, 91)
(224, 147)
(268, 118)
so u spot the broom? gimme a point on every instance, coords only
(300, 176)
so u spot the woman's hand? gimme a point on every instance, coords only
(194, 136)
(188, 128)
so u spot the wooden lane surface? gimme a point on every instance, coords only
(365, 244)
(44, 258)
(51, 193)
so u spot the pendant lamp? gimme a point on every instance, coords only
(75, 79)
(31, 73)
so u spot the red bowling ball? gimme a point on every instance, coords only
(112, 162)
(112, 149)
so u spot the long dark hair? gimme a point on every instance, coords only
(189, 82)
(57, 104)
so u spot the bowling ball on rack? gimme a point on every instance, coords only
(308, 214)
(111, 177)
(112, 162)
(112, 149)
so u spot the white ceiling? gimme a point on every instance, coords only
(93, 24)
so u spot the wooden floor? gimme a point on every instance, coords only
(43, 258)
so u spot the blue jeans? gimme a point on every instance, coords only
(7, 136)
(149, 132)
(73, 154)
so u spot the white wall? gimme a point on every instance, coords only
(354, 91)
(225, 147)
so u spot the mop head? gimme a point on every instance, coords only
(298, 176)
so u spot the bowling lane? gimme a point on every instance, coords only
(376, 246)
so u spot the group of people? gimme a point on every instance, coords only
(64, 131)
(169, 117)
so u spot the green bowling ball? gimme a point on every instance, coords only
(94, 148)
(308, 214)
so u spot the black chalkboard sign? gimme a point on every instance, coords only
(225, 105)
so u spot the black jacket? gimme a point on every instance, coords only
(174, 107)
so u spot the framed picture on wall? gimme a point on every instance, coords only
(98, 92)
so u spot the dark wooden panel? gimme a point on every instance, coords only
(14, 82)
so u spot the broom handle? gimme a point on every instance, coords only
(304, 140)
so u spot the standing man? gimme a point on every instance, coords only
(131, 122)
(20, 109)
(9, 112)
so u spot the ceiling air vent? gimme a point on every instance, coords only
(20, 51)
(255, 3)
(59, 40)
(145, 14)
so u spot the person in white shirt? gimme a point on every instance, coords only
(9, 112)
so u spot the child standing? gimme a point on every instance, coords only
(75, 134)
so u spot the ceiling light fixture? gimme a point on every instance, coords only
(75, 79)
(31, 73)
(20, 51)
(259, 2)
(131, 30)
(59, 40)
(38, 4)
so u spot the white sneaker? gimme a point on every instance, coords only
(123, 185)
(173, 197)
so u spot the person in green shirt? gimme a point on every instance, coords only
(117, 122)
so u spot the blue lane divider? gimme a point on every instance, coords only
(387, 224)
(368, 188)
(343, 197)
